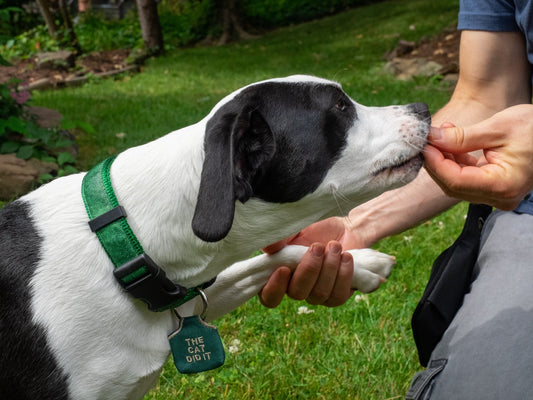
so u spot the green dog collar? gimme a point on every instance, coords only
(136, 272)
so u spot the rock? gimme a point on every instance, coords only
(56, 59)
(402, 48)
(43, 167)
(16, 176)
(46, 117)
(406, 69)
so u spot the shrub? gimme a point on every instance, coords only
(21, 134)
(272, 13)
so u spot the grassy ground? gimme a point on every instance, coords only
(362, 350)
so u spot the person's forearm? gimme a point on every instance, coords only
(397, 210)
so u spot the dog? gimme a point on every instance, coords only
(269, 159)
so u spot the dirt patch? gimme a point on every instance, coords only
(96, 63)
(444, 49)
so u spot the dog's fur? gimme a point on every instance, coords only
(269, 160)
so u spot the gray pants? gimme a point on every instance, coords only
(487, 351)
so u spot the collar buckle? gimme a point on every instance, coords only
(142, 278)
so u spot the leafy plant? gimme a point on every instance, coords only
(30, 43)
(21, 134)
(96, 33)
(5, 19)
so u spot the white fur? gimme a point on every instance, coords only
(111, 346)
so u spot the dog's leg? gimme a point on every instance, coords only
(243, 280)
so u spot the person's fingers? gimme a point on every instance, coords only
(488, 184)
(273, 292)
(328, 274)
(342, 290)
(458, 139)
(307, 272)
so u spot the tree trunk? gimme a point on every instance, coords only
(67, 22)
(150, 26)
(230, 22)
(45, 9)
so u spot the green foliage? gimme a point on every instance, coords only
(21, 134)
(96, 33)
(14, 20)
(185, 22)
(270, 13)
(6, 15)
(182, 23)
(29, 43)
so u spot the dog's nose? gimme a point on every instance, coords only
(420, 109)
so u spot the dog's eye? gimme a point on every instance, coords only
(341, 105)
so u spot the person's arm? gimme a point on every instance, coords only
(494, 75)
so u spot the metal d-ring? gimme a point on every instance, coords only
(206, 304)
(203, 314)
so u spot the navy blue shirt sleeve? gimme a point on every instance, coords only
(488, 15)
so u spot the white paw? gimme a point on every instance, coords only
(371, 269)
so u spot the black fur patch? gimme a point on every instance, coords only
(275, 141)
(28, 369)
(309, 122)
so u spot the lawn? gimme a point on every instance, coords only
(364, 349)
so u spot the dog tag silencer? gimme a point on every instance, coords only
(196, 346)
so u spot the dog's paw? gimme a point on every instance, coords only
(371, 269)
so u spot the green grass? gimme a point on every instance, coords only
(364, 349)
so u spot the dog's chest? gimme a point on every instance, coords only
(107, 345)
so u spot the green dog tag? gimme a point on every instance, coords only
(196, 346)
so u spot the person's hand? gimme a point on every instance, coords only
(325, 273)
(502, 176)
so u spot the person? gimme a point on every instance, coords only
(485, 352)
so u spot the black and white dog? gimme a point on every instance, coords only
(269, 160)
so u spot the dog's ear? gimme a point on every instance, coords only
(237, 147)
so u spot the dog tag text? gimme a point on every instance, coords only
(196, 346)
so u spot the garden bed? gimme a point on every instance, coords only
(96, 64)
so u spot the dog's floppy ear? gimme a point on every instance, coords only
(237, 147)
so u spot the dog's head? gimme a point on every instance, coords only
(283, 139)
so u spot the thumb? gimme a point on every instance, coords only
(457, 139)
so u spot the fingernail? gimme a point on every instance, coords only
(346, 258)
(335, 248)
(317, 249)
(435, 133)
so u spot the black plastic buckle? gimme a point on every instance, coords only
(154, 288)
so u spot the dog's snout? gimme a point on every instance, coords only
(420, 109)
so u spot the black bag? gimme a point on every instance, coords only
(450, 279)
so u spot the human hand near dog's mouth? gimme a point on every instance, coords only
(502, 176)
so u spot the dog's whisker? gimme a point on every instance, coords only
(340, 197)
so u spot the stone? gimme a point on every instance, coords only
(16, 176)
(402, 48)
(43, 167)
(46, 117)
(63, 59)
(406, 69)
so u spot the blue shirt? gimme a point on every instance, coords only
(502, 16)
(499, 16)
